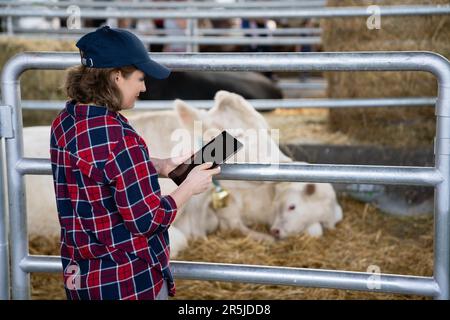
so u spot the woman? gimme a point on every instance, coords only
(114, 221)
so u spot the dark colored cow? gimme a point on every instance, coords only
(204, 85)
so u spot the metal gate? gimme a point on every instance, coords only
(437, 286)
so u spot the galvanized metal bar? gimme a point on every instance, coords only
(441, 214)
(4, 223)
(259, 104)
(327, 12)
(191, 32)
(9, 26)
(5, 132)
(20, 280)
(36, 166)
(302, 85)
(301, 277)
(194, 40)
(316, 278)
(421, 176)
(321, 61)
(212, 40)
(40, 263)
(442, 190)
(200, 31)
(348, 61)
(260, 31)
(332, 173)
(170, 5)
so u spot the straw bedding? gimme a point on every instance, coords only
(365, 237)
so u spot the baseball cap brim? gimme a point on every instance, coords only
(153, 69)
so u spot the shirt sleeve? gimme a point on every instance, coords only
(134, 182)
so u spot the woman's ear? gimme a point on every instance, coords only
(117, 76)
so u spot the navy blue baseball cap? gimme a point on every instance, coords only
(112, 48)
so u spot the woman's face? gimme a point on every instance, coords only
(130, 87)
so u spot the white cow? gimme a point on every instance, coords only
(253, 202)
(304, 206)
(250, 202)
(288, 208)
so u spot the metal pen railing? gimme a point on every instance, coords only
(327, 12)
(195, 40)
(169, 5)
(437, 286)
(192, 38)
(261, 104)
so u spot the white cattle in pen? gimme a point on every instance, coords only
(170, 133)
(304, 206)
(257, 201)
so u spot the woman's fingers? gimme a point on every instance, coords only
(205, 166)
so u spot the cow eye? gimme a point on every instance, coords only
(291, 207)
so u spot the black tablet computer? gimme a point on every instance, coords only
(217, 151)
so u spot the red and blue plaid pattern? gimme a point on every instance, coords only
(114, 221)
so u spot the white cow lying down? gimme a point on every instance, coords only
(304, 206)
(289, 208)
(196, 218)
(256, 202)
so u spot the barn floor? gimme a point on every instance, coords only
(365, 237)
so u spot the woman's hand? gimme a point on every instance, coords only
(200, 178)
(165, 166)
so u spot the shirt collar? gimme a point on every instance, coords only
(89, 111)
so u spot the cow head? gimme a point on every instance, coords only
(295, 208)
(233, 113)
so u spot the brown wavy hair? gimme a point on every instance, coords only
(96, 85)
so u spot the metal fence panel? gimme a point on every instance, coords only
(272, 13)
(437, 286)
(261, 104)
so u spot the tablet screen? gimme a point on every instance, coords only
(217, 151)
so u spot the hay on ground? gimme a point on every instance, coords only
(365, 237)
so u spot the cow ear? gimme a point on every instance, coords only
(221, 95)
(225, 100)
(186, 114)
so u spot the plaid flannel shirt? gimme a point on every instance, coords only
(114, 221)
